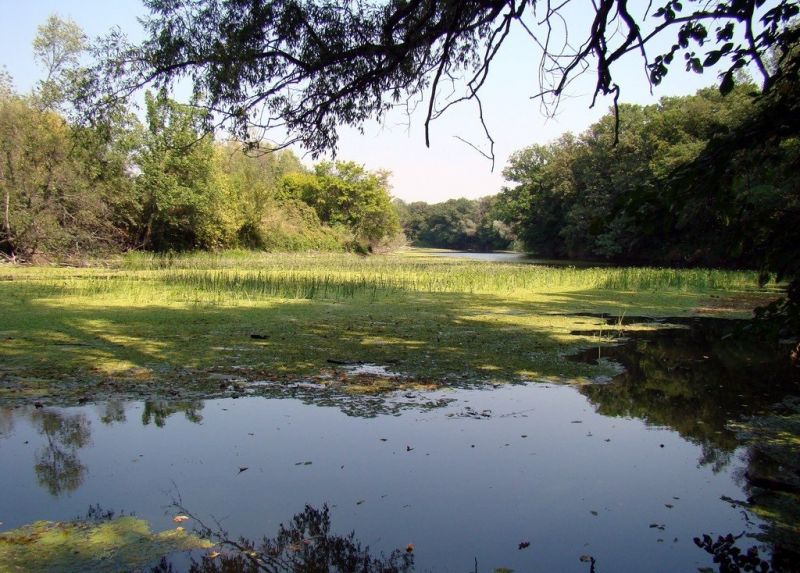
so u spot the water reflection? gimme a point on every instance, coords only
(305, 545)
(112, 412)
(57, 465)
(701, 381)
(695, 380)
(157, 411)
(460, 473)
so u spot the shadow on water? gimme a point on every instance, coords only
(722, 388)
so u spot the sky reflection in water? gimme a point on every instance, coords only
(456, 484)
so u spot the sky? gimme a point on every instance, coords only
(449, 168)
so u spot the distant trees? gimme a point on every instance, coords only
(175, 190)
(466, 224)
(54, 183)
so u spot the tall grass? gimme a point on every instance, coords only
(242, 275)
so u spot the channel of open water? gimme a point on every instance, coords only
(529, 477)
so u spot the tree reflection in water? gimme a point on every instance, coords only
(57, 466)
(157, 411)
(708, 382)
(305, 545)
(696, 381)
(112, 412)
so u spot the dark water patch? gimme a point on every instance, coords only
(723, 389)
(695, 379)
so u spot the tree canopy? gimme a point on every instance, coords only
(306, 67)
(74, 191)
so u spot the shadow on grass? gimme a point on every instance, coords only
(68, 342)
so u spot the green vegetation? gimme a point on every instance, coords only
(75, 191)
(159, 324)
(584, 197)
(108, 546)
(455, 224)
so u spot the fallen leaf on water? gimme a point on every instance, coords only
(180, 518)
(409, 548)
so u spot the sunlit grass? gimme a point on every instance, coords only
(176, 319)
(240, 276)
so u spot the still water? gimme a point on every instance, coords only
(486, 470)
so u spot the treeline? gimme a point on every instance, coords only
(464, 224)
(690, 182)
(74, 190)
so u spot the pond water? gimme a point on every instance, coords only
(627, 472)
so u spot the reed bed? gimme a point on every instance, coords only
(240, 275)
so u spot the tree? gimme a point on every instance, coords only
(54, 181)
(312, 66)
(658, 196)
(57, 47)
(176, 174)
(346, 194)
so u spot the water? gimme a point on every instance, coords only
(627, 472)
(470, 486)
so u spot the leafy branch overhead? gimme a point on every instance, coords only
(299, 69)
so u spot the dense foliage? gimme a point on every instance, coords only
(657, 196)
(455, 224)
(72, 190)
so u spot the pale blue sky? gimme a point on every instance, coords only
(449, 168)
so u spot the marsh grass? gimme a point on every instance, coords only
(167, 318)
(243, 276)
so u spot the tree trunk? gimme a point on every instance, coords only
(7, 216)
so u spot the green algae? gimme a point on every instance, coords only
(122, 544)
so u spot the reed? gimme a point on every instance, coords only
(241, 275)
